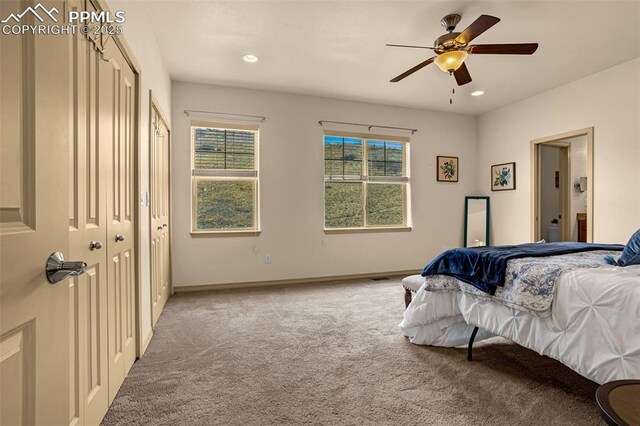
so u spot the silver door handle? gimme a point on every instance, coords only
(58, 269)
(119, 238)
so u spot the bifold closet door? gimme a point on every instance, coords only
(117, 124)
(166, 198)
(88, 155)
(160, 241)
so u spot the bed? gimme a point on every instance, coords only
(588, 318)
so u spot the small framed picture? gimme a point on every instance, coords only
(447, 169)
(503, 177)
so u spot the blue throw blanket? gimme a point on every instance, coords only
(484, 267)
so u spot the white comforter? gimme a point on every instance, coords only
(594, 326)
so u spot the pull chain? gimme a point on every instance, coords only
(453, 92)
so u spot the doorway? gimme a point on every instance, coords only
(562, 169)
(554, 214)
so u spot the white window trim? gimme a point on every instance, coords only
(228, 175)
(405, 179)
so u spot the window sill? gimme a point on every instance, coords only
(234, 233)
(367, 230)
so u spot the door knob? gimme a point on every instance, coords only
(95, 245)
(119, 238)
(159, 228)
(57, 269)
(164, 225)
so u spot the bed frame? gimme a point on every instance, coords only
(408, 296)
(470, 345)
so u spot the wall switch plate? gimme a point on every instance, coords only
(144, 198)
(267, 258)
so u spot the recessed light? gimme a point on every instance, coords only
(477, 93)
(251, 59)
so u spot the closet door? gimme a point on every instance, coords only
(117, 124)
(160, 198)
(166, 209)
(88, 156)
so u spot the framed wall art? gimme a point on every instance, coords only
(447, 169)
(503, 177)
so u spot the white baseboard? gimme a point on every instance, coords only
(226, 286)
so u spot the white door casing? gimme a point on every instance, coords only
(587, 133)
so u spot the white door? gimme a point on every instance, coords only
(101, 214)
(34, 222)
(160, 241)
(89, 159)
(118, 101)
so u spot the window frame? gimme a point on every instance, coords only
(233, 175)
(404, 181)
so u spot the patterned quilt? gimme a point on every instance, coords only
(529, 281)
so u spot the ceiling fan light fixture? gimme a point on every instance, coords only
(450, 61)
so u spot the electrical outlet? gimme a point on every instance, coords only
(267, 258)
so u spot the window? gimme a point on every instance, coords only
(366, 181)
(224, 178)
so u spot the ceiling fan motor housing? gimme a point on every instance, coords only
(447, 42)
(449, 22)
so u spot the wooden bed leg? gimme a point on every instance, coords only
(407, 297)
(470, 347)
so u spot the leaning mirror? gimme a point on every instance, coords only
(476, 221)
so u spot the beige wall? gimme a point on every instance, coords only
(140, 36)
(609, 102)
(291, 186)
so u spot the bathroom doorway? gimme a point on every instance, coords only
(562, 168)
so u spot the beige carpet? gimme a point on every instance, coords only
(330, 354)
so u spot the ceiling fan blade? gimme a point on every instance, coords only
(462, 75)
(412, 70)
(480, 25)
(504, 49)
(407, 45)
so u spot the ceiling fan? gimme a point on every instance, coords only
(452, 48)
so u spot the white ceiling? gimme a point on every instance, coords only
(337, 48)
